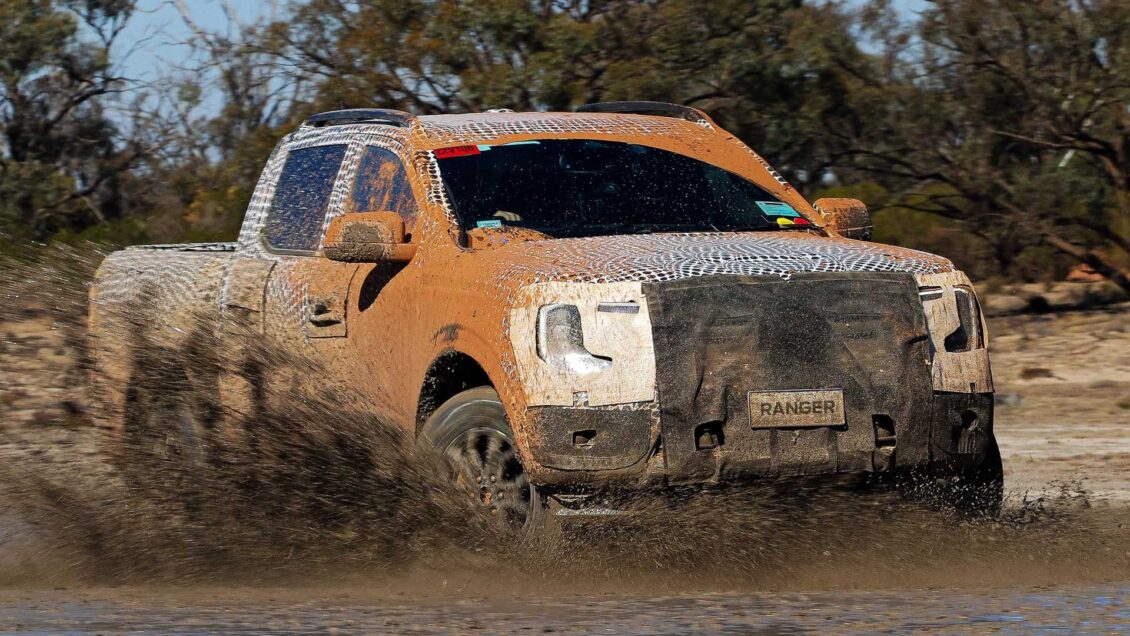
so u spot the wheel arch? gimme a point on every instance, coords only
(451, 373)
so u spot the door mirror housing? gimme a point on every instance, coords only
(368, 237)
(847, 217)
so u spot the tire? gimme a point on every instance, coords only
(470, 430)
(985, 495)
(974, 491)
(165, 443)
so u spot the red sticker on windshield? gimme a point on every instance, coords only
(455, 151)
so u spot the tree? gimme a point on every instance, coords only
(1008, 115)
(61, 156)
(769, 70)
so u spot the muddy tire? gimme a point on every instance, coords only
(164, 441)
(471, 432)
(977, 492)
(985, 492)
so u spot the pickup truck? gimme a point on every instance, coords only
(621, 297)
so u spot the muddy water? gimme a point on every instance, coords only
(1099, 609)
(318, 534)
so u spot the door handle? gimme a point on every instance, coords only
(323, 314)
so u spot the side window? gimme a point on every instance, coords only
(302, 196)
(382, 185)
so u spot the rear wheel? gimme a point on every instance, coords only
(164, 443)
(471, 432)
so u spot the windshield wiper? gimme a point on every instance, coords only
(608, 229)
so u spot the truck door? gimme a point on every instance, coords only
(381, 184)
(307, 294)
(311, 304)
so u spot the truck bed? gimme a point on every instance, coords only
(151, 300)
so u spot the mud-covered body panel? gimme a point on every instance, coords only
(153, 294)
(595, 439)
(721, 340)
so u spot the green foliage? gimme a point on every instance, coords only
(769, 70)
(991, 131)
(59, 156)
(1008, 116)
(917, 229)
(112, 234)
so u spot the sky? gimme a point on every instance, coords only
(153, 41)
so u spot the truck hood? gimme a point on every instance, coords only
(661, 257)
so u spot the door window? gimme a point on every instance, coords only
(382, 186)
(302, 196)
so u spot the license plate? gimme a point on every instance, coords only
(796, 409)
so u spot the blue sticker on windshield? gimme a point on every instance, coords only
(488, 223)
(776, 208)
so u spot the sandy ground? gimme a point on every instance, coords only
(1063, 422)
(1063, 399)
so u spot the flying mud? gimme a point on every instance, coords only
(312, 492)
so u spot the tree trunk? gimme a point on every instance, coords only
(1097, 261)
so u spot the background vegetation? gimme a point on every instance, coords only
(996, 132)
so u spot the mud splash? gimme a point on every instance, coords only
(313, 491)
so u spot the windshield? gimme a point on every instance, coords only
(580, 187)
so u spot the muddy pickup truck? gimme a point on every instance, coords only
(622, 297)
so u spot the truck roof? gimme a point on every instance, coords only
(399, 118)
(474, 126)
(617, 118)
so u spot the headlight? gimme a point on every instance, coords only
(561, 342)
(966, 334)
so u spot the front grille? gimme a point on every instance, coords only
(717, 338)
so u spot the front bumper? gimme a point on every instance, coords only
(607, 447)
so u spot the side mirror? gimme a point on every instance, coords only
(367, 237)
(847, 217)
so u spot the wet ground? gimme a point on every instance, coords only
(1099, 609)
(1063, 421)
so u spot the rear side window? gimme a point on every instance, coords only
(382, 185)
(302, 196)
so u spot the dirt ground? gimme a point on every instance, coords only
(1063, 399)
(1062, 420)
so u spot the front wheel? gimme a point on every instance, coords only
(471, 432)
(984, 493)
(976, 491)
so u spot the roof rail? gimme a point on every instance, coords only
(361, 116)
(657, 109)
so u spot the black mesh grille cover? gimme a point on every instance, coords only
(719, 337)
